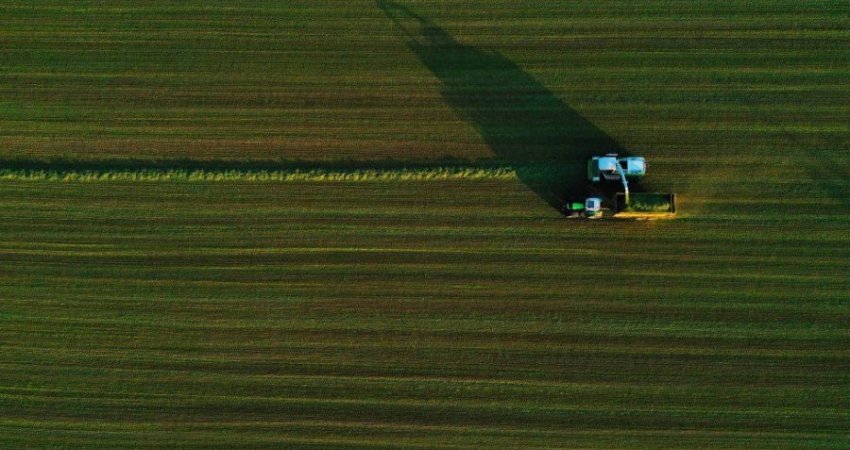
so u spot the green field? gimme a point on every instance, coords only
(328, 225)
(412, 313)
(338, 80)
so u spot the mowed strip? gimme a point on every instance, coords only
(353, 175)
(439, 313)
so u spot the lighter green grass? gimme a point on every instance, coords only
(264, 176)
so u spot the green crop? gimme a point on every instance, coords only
(425, 313)
(644, 202)
(648, 207)
(263, 176)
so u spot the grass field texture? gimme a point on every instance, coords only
(404, 314)
(339, 80)
(328, 225)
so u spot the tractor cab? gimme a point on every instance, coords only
(593, 208)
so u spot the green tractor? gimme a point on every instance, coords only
(590, 208)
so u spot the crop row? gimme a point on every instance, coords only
(423, 314)
(295, 175)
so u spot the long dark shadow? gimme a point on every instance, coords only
(835, 180)
(526, 125)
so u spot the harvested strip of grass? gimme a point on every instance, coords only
(263, 176)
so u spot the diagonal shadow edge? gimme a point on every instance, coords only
(524, 124)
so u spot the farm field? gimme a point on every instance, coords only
(333, 80)
(404, 314)
(328, 224)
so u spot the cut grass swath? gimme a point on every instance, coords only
(265, 176)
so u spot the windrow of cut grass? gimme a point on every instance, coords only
(267, 176)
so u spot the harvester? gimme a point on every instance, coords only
(614, 168)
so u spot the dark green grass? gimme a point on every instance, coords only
(330, 80)
(412, 314)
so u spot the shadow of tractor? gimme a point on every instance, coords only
(524, 124)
